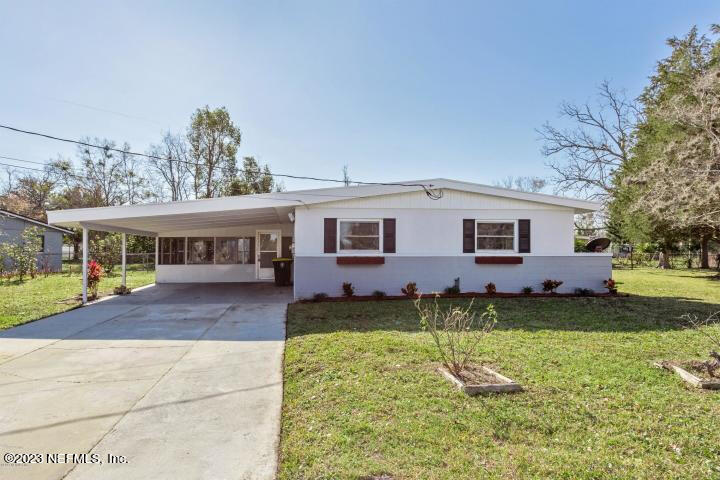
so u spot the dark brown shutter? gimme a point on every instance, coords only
(468, 235)
(252, 250)
(388, 235)
(524, 236)
(286, 242)
(331, 235)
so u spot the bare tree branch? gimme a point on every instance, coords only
(595, 147)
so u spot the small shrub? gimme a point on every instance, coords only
(94, 275)
(527, 290)
(550, 285)
(378, 294)
(410, 290)
(457, 332)
(584, 292)
(453, 290)
(490, 288)
(23, 254)
(712, 366)
(348, 289)
(319, 296)
(107, 251)
(121, 290)
(610, 285)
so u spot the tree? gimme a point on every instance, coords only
(172, 166)
(214, 141)
(524, 184)
(106, 249)
(252, 179)
(674, 177)
(133, 183)
(101, 172)
(600, 141)
(30, 194)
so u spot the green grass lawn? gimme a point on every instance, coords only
(362, 396)
(22, 302)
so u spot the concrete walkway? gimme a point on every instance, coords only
(174, 381)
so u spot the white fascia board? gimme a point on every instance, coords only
(98, 214)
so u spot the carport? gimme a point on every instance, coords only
(224, 218)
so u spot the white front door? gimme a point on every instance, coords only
(268, 247)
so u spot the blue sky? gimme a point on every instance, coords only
(395, 89)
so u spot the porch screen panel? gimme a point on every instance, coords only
(172, 251)
(201, 250)
(226, 250)
(245, 252)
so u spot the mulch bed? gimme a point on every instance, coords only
(696, 368)
(371, 298)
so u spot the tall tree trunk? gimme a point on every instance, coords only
(664, 260)
(704, 252)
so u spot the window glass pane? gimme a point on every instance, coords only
(360, 243)
(201, 250)
(495, 243)
(495, 229)
(359, 228)
(226, 250)
(268, 242)
(243, 250)
(359, 235)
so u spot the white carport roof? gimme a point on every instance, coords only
(153, 218)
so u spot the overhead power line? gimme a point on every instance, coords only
(433, 194)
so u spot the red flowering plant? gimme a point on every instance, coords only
(610, 285)
(94, 274)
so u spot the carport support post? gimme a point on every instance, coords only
(84, 264)
(157, 250)
(124, 270)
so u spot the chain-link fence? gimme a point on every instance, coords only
(627, 259)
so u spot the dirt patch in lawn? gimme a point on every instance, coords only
(698, 368)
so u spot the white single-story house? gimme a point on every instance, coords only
(378, 237)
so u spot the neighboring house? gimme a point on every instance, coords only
(379, 237)
(12, 226)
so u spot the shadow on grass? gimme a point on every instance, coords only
(616, 314)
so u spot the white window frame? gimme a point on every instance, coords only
(360, 252)
(497, 220)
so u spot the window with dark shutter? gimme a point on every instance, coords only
(330, 235)
(524, 236)
(388, 235)
(468, 235)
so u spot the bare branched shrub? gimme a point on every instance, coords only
(456, 331)
(712, 366)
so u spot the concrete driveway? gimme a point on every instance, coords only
(174, 381)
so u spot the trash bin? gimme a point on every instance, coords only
(283, 271)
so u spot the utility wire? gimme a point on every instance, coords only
(433, 194)
(309, 194)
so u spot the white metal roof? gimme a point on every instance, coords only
(153, 218)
